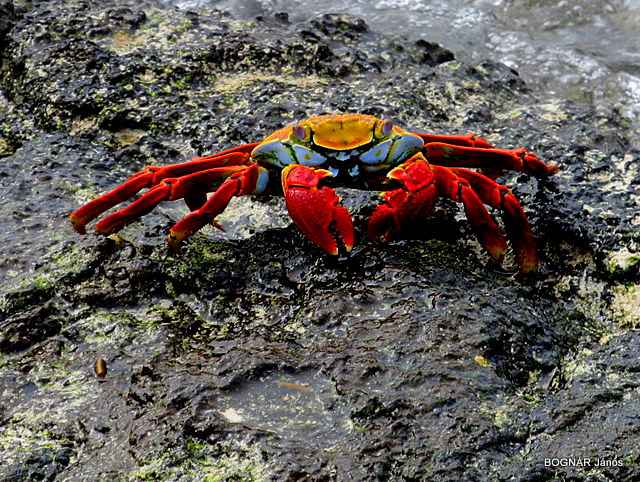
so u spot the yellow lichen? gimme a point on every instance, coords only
(626, 306)
(126, 137)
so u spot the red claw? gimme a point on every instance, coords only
(316, 210)
(404, 206)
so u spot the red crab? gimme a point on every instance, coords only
(304, 160)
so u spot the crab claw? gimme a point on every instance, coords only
(413, 201)
(316, 210)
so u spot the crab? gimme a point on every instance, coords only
(305, 161)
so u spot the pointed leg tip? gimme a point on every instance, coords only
(218, 225)
(497, 254)
(528, 269)
(106, 230)
(78, 222)
(174, 239)
(79, 228)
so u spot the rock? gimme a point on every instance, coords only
(253, 356)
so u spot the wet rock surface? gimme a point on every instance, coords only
(251, 356)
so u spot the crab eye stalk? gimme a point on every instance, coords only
(387, 125)
(299, 132)
(383, 128)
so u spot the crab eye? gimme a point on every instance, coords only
(299, 132)
(386, 127)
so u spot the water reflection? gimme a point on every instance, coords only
(302, 407)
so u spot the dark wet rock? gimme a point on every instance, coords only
(7, 17)
(252, 356)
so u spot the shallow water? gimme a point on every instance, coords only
(587, 51)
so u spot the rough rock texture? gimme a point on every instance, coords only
(251, 356)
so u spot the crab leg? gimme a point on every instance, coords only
(251, 179)
(482, 223)
(316, 210)
(515, 220)
(444, 154)
(192, 188)
(153, 176)
(467, 140)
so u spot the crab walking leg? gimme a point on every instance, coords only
(316, 210)
(515, 220)
(421, 185)
(247, 180)
(449, 155)
(87, 213)
(190, 187)
(468, 140)
(152, 176)
(484, 226)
